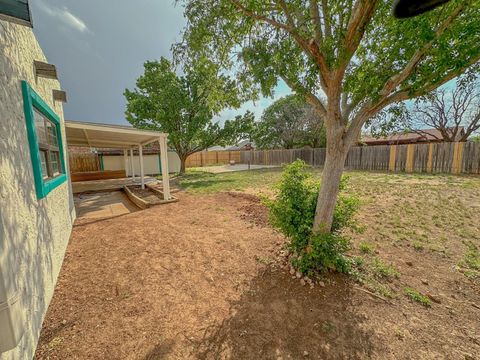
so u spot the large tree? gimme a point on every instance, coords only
(183, 106)
(349, 58)
(454, 112)
(289, 122)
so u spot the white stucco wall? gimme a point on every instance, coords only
(150, 163)
(33, 233)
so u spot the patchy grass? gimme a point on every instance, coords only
(382, 270)
(416, 296)
(202, 182)
(366, 248)
(471, 262)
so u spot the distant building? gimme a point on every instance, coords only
(217, 148)
(243, 145)
(421, 136)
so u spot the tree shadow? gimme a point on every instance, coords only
(277, 317)
(160, 351)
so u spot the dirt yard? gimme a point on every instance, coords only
(204, 278)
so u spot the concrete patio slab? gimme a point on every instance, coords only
(102, 205)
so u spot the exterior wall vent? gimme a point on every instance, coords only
(46, 70)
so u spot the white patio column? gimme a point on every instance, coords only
(132, 166)
(140, 152)
(125, 158)
(164, 160)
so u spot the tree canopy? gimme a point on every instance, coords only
(349, 58)
(287, 123)
(183, 106)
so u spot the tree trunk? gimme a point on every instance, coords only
(336, 154)
(183, 160)
(327, 197)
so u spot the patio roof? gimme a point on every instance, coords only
(108, 136)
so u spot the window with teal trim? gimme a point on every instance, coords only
(45, 142)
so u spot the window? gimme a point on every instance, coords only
(47, 138)
(16, 11)
(45, 142)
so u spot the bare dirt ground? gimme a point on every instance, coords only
(203, 279)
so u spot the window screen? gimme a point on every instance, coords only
(47, 145)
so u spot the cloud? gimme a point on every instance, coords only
(65, 16)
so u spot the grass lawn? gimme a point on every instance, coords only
(428, 213)
(206, 278)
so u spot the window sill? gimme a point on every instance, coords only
(51, 184)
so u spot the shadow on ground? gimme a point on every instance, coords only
(277, 318)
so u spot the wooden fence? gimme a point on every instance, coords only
(435, 157)
(83, 162)
(206, 158)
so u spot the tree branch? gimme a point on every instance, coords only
(326, 19)
(311, 98)
(397, 79)
(317, 25)
(362, 14)
(369, 110)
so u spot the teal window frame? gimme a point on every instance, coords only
(31, 101)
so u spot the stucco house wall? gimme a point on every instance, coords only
(151, 165)
(33, 233)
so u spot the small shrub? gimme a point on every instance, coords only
(418, 246)
(382, 270)
(414, 295)
(471, 261)
(366, 248)
(293, 212)
(471, 258)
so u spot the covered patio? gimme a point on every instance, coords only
(126, 138)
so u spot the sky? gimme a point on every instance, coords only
(99, 48)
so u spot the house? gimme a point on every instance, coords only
(37, 209)
(242, 145)
(36, 199)
(421, 136)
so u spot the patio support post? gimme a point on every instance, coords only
(131, 164)
(164, 160)
(125, 158)
(140, 152)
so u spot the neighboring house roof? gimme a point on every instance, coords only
(216, 148)
(242, 145)
(426, 135)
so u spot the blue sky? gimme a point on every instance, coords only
(99, 48)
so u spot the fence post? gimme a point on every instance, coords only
(393, 156)
(410, 158)
(457, 158)
(430, 158)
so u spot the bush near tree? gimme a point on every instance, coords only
(293, 212)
